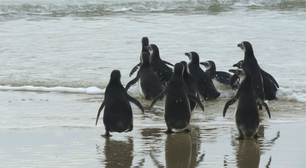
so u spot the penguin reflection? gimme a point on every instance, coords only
(248, 154)
(117, 153)
(182, 150)
(249, 151)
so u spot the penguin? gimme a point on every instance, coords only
(238, 64)
(204, 84)
(118, 115)
(191, 84)
(150, 85)
(235, 78)
(177, 108)
(144, 43)
(219, 76)
(269, 83)
(247, 116)
(159, 66)
(251, 64)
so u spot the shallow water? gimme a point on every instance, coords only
(56, 57)
(47, 129)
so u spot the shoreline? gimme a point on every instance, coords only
(60, 132)
(85, 147)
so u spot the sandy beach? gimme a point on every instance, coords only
(67, 136)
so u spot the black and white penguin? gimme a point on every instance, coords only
(204, 84)
(269, 83)
(118, 115)
(177, 108)
(219, 76)
(251, 64)
(149, 84)
(159, 66)
(145, 43)
(247, 116)
(190, 83)
(238, 64)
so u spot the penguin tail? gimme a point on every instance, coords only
(120, 127)
(179, 125)
(249, 133)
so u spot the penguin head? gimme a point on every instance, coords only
(145, 58)
(153, 49)
(115, 76)
(241, 73)
(209, 65)
(145, 41)
(193, 57)
(184, 63)
(238, 64)
(178, 69)
(246, 47)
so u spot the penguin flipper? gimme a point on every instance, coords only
(267, 75)
(168, 63)
(134, 69)
(135, 101)
(132, 82)
(160, 96)
(274, 84)
(197, 92)
(228, 103)
(195, 99)
(99, 111)
(259, 100)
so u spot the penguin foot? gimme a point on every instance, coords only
(107, 134)
(169, 131)
(239, 138)
(187, 130)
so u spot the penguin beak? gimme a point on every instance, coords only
(148, 48)
(241, 46)
(233, 70)
(206, 64)
(235, 65)
(188, 55)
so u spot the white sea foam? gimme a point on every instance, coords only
(89, 90)
(281, 94)
(65, 7)
(289, 95)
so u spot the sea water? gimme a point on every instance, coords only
(56, 57)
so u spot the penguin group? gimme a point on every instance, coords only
(183, 85)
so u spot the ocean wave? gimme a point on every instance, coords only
(289, 95)
(101, 8)
(281, 94)
(89, 90)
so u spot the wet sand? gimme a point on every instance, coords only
(57, 130)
